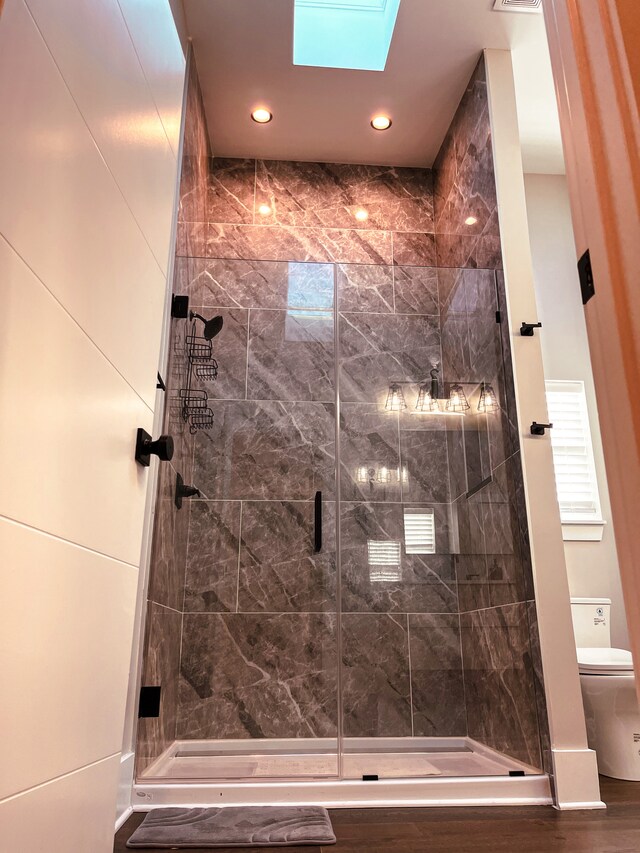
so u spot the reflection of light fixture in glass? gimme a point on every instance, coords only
(457, 401)
(395, 399)
(264, 210)
(261, 115)
(362, 474)
(384, 474)
(361, 214)
(381, 122)
(487, 402)
(425, 401)
(403, 474)
(470, 220)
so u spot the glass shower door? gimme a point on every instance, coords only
(398, 588)
(259, 671)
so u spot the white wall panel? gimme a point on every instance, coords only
(67, 815)
(66, 620)
(69, 424)
(153, 31)
(107, 82)
(62, 211)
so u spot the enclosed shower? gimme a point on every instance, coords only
(348, 594)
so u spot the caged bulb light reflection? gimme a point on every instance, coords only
(395, 399)
(457, 401)
(487, 402)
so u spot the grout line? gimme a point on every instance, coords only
(410, 675)
(246, 368)
(238, 572)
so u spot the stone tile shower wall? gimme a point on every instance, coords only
(244, 611)
(502, 673)
(259, 651)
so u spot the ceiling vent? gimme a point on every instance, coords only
(529, 6)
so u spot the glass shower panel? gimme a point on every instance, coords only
(259, 673)
(430, 529)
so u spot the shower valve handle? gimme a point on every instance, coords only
(145, 448)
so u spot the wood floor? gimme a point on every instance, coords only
(539, 829)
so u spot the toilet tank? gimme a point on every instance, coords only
(591, 622)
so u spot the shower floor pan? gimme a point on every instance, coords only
(409, 771)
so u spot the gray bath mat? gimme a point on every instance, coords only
(234, 826)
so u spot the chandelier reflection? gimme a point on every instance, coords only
(457, 401)
(487, 402)
(395, 398)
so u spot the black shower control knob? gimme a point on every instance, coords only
(146, 448)
(162, 448)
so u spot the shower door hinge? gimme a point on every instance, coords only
(498, 317)
(149, 704)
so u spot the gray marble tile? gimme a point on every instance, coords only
(456, 360)
(192, 239)
(437, 682)
(456, 460)
(291, 355)
(423, 458)
(169, 544)
(376, 350)
(369, 453)
(416, 290)
(330, 194)
(485, 349)
(471, 562)
(212, 558)
(452, 291)
(195, 154)
(231, 190)
(288, 243)
(476, 441)
(375, 675)
(279, 569)
(258, 676)
(366, 288)
(378, 575)
(234, 283)
(160, 668)
(267, 450)
(414, 249)
(229, 349)
(499, 681)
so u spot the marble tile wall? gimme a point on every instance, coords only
(276, 249)
(501, 663)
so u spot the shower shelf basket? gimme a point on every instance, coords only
(193, 401)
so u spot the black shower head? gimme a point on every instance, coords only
(212, 327)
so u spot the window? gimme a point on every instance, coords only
(343, 33)
(419, 531)
(576, 481)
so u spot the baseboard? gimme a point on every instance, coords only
(576, 782)
(124, 817)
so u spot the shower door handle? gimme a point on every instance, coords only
(317, 523)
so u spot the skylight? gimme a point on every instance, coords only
(343, 33)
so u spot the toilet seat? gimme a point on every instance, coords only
(605, 661)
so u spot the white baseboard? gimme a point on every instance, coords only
(575, 778)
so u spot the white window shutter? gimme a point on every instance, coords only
(575, 471)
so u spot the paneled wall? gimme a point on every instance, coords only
(504, 703)
(88, 175)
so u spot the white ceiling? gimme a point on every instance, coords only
(243, 52)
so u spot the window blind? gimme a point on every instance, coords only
(419, 531)
(575, 472)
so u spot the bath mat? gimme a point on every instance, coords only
(234, 826)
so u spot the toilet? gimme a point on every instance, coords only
(608, 690)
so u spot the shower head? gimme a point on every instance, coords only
(212, 327)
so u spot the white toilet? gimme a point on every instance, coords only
(608, 691)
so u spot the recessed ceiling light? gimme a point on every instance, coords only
(261, 115)
(361, 214)
(380, 122)
(264, 210)
(470, 220)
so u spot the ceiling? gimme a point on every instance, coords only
(243, 51)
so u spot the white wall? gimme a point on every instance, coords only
(90, 98)
(592, 566)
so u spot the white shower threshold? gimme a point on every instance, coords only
(411, 772)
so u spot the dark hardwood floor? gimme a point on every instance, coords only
(535, 829)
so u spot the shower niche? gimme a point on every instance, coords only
(406, 647)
